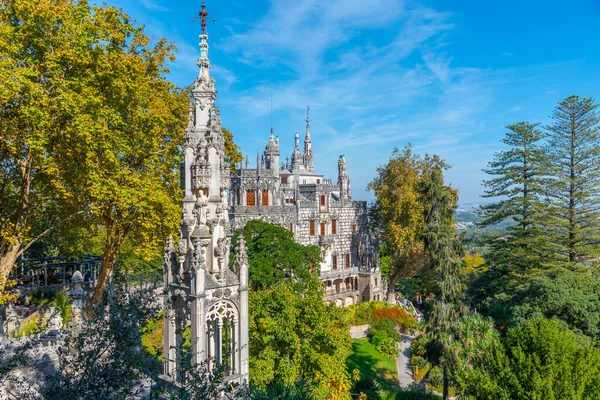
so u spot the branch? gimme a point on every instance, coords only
(44, 233)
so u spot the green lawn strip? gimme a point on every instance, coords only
(372, 364)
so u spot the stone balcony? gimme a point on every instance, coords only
(339, 273)
(325, 241)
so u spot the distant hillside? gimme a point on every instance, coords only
(466, 217)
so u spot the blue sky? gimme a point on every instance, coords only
(446, 76)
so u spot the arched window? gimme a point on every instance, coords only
(322, 200)
(223, 336)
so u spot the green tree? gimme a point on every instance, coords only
(539, 359)
(571, 296)
(274, 255)
(295, 336)
(574, 156)
(518, 179)
(444, 258)
(89, 123)
(42, 101)
(397, 212)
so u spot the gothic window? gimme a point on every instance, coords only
(322, 200)
(284, 180)
(250, 198)
(347, 260)
(222, 326)
(323, 229)
(334, 262)
(334, 226)
(265, 197)
(312, 228)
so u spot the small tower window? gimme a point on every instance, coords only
(312, 227)
(347, 260)
(250, 198)
(334, 261)
(323, 229)
(322, 200)
(334, 226)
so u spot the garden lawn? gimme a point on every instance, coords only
(372, 364)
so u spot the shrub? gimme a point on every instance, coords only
(396, 315)
(436, 377)
(385, 327)
(420, 367)
(416, 393)
(384, 345)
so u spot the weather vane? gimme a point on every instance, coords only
(203, 14)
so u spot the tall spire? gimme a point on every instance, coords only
(309, 159)
(204, 88)
(203, 61)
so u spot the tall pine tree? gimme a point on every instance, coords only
(444, 258)
(518, 179)
(574, 162)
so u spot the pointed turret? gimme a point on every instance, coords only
(272, 155)
(309, 160)
(296, 155)
(343, 179)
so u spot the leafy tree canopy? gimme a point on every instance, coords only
(274, 255)
(295, 336)
(539, 359)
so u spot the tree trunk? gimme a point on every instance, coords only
(7, 261)
(446, 383)
(114, 239)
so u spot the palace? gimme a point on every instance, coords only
(319, 212)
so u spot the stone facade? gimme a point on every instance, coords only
(201, 289)
(318, 211)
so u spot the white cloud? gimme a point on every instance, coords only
(153, 5)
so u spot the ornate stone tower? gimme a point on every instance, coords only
(343, 179)
(297, 158)
(202, 291)
(309, 159)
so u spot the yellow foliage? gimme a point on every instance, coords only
(472, 263)
(6, 298)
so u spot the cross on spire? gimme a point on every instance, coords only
(203, 14)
